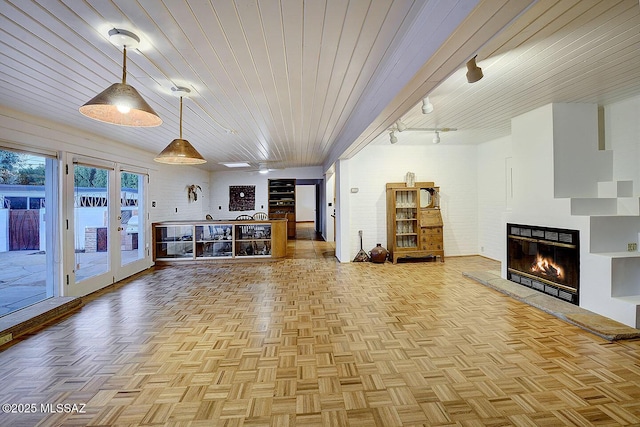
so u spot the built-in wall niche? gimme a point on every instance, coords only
(545, 259)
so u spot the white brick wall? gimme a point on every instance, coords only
(452, 168)
(168, 188)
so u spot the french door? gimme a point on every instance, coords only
(108, 224)
(133, 251)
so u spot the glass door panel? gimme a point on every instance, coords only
(406, 219)
(91, 221)
(28, 202)
(131, 217)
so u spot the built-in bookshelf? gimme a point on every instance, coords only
(282, 202)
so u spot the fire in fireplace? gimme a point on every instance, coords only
(547, 267)
(545, 259)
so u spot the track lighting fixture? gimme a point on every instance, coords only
(392, 137)
(120, 103)
(262, 168)
(427, 106)
(436, 139)
(474, 73)
(180, 151)
(400, 126)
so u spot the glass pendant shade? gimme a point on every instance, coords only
(180, 151)
(121, 104)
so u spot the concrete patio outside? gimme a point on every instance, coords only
(23, 275)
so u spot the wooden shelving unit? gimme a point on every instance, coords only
(282, 202)
(414, 221)
(219, 240)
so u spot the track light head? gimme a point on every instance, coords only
(474, 73)
(401, 126)
(392, 137)
(436, 139)
(427, 106)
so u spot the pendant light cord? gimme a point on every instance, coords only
(180, 117)
(124, 66)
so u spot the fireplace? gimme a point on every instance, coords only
(545, 259)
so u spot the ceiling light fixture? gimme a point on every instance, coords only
(427, 106)
(180, 151)
(392, 137)
(121, 104)
(474, 73)
(400, 126)
(436, 140)
(235, 164)
(262, 169)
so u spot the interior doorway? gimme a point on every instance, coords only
(315, 187)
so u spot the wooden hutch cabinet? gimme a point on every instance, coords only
(282, 202)
(414, 222)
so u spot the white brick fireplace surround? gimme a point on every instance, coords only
(562, 178)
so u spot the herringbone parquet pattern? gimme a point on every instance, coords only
(311, 342)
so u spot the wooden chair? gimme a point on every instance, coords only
(260, 216)
(244, 218)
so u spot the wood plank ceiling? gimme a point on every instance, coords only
(556, 51)
(302, 83)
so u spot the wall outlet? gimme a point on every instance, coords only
(5, 338)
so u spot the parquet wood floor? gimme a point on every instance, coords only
(311, 342)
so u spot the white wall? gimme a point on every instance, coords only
(452, 167)
(168, 188)
(622, 136)
(550, 148)
(218, 204)
(305, 203)
(330, 188)
(492, 196)
(579, 165)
